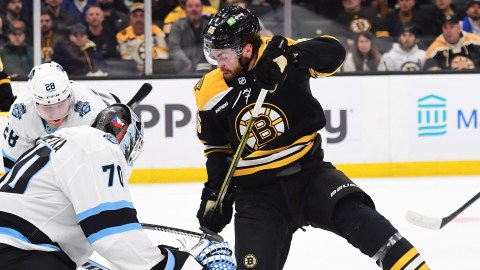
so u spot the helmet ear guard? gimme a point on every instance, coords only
(113, 119)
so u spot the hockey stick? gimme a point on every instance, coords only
(282, 63)
(436, 223)
(91, 265)
(140, 95)
(161, 228)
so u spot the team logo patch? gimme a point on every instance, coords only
(410, 66)
(360, 25)
(82, 108)
(250, 260)
(199, 84)
(461, 62)
(270, 123)
(19, 110)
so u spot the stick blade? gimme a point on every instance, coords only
(423, 221)
(140, 95)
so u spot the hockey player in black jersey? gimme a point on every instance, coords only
(281, 183)
(69, 195)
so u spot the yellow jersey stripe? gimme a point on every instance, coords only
(404, 259)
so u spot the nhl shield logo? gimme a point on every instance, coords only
(242, 80)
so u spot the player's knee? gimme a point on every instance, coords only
(361, 225)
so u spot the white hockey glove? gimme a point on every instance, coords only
(214, 255)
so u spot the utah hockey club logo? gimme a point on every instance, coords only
(19, 110)
(82, 108)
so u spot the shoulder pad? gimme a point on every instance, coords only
(208, 87)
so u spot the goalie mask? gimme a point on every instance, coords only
(224, 33)
(113, 120)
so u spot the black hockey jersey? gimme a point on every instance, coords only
(286, 126)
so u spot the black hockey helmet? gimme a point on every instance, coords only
(226, 28)
(112, 119)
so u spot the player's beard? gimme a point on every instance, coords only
(231, 74)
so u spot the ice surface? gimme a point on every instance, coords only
(456, 246)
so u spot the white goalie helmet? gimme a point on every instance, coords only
(51, 90)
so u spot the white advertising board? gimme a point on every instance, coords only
(371, 119)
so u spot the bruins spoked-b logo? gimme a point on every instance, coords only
(460, 62)
(270, 123)
(250, 261)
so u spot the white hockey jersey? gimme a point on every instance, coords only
(398, 59)
(70, 194)
(25, 125)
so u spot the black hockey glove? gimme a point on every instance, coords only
(215, 221)
(270, 71)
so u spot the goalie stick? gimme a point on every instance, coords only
(140, 95)
(436, 223)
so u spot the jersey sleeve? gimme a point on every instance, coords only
(13, 146)
(98, 190)
(212, 130)
(323, 55)
(217, 149)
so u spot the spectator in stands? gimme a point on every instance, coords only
(13, 11)
(3, 33)
(357, 19)
(160, 9)
(405, 55)
(327, 8)
(49, 37)
(364, 55)
(78, 55)
(62, 20)
(471, 22)
(380, 5)
(132, 39)
(99, 32)
(453, 49)
(264, 32)
(116, 20)
(17, 56)
(6, 95)
(436, 14)
(78, 7)
(402, 15)
(185, 41)
(179, 12)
